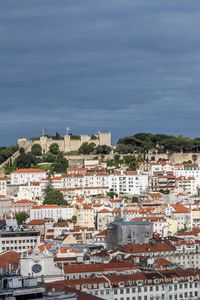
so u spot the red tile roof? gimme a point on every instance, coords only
(9, 260)
(92, 268)
(179, 208)
(36, 222)
(148, 247)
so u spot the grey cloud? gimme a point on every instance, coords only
(123, 65)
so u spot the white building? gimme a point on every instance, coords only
(187, 170)
(128, 182)
(3, 186)
(31, 191)
(52, 211)
(181, 284)
(187, 184)
(23, 176)
(17, 240)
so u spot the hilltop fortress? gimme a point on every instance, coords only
(67, 143)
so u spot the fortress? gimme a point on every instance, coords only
(67, 143)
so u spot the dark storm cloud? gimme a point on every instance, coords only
(92, 65)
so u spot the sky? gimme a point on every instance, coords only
(127, 66)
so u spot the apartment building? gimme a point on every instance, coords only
(187, 170)
(162, 181)
(3, 186)
(86, 216)
(104, 218)
(187, 184)
(128, 182)
(18, 240)
(52, 211)
(30, 191)
(23, 176)
(178, 251)
(163, 285)
(23, 205)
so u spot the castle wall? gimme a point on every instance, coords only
(175, 157)
(66, 144)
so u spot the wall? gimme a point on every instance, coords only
(66, 144)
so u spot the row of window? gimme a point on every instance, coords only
(19, 241)
(155, 288)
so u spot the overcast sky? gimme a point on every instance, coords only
(126, 66)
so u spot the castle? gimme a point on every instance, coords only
(66, 143)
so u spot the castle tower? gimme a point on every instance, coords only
(105, 138)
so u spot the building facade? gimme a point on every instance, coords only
(123, 232)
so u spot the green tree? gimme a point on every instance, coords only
(60, 164)
(103, 149)
(26, 160)
(131, 162)
(9, 168)
(53, 196)
(49, 157)
(86, 148)
(111, 194)
(194, 158)
(21, 217)
(125, 149)
(6, 152)
(93, 137)
(54, 148)
(74, 219)
(36, 150)
(134, 199)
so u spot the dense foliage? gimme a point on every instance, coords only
(36, 150)
(91, 148)
(130, 161)
(53, 196)
(26, 160)
(142, 142)
(21, 217)
(6, 152)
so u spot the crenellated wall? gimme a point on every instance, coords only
(67, 144)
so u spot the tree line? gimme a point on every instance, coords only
(57, 162)
(160, 143)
